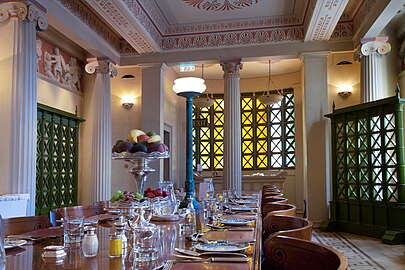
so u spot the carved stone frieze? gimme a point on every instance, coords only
(24, 11)
(101, 65)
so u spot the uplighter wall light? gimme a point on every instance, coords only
(345, 90)
(127, 102)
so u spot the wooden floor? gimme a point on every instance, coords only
(364, 253)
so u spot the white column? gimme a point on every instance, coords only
(153, 111)
(316, 135)
(99, 107)
(371, 78)
(232, 124)
(18, 97)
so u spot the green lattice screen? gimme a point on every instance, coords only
(267, 134)
(368, 169)
(57, 160)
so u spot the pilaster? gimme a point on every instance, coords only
(97, 139)
(371, 52)
(153, 110)
(18, 96)
(316, 135)
(232, 124)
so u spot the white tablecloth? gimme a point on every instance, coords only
(14, 205)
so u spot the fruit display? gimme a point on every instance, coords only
(139, 141)
(125, 196)
(153, 193)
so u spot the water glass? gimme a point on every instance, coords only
(210, 207)
(187, 221)
(145, 242)
(73, 231)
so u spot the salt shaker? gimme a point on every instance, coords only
(90, 242)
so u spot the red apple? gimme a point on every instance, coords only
(165, 194)
(150, 195)
(142, 138)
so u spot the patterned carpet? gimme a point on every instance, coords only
(358, 260)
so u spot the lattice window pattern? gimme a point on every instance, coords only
(57, 160)
(268, 134)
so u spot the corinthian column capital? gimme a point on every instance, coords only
(101, 65)
(372, 45)
(231, 67)
(24, 10)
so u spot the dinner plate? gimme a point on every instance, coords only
(246, 201)
(12, 243)
(235, 221)
(221, 246)
(243, 208)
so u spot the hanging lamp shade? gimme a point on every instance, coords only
(270, 98)
(202, 102)
(189, 84)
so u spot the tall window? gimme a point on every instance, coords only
(267, 134)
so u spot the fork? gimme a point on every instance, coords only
(168, 265)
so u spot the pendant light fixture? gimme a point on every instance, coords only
(202, 102)
(270, 98)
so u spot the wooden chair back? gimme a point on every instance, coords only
(288, 253)
(278, 209)
(19, 225)
(75, 211)
(271, 199)
(274, 225)
(273, 194)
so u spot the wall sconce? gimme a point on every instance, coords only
(345, 90)
(127, 102)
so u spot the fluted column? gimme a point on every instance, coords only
(99, 134)
(371, 51)
(18, 96)
(232, 125)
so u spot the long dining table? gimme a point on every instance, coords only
(28, 256)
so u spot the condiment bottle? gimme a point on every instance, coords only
(90, 242)
(115, 245)
(121, 230)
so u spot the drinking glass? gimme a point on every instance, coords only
(187, 219)
(73, 231)
(210, 207)
(146, 242)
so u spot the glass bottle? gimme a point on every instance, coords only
(192, 218)
(115, 245)
(2, 250)
(90, 242)
(170, 204)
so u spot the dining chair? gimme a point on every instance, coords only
(274, 225)
(278, 209)
(271, 199)
(287, 253)
(19, 225)
(75, 211)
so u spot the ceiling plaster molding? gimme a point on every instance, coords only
(87, 16)
(287, 34)
(131, 22)
(351, 10)
(238, 25)
(362, 14)
(150, 10)
(343, 31)
(324, 19)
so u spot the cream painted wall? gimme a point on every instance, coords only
(343, 75)
(389, 64)
(123, 121)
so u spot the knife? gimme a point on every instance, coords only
(215, 259)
